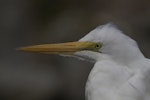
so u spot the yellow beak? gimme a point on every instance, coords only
(60, 48)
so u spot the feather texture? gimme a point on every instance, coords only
(121, 72)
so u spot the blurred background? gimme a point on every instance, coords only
(27, 76)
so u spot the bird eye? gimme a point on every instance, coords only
(97, 46)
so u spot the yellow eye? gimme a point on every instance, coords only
(93, 47)
(98, 45)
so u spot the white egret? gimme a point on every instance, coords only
(121, 72)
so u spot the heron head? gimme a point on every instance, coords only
(114, 44)
(104, 40)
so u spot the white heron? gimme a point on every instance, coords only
(121, 72)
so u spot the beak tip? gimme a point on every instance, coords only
(17, 49)
(20, 49)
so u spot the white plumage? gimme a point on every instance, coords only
(121, 72)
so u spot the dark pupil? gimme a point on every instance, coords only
(97, 46)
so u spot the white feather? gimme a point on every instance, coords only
(121, 72)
